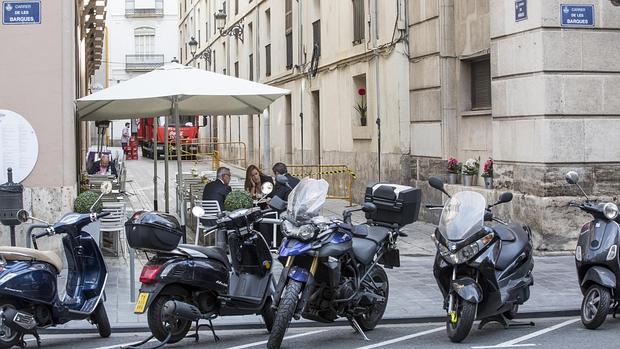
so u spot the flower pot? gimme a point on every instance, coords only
(452, 178)
(469, 180)
(363, 121)
(488, 182)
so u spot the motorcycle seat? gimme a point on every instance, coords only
(364, 249)
(376, 234)
(212, 252)
(11, 253)
(514, 240)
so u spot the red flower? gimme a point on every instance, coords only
(361, 91)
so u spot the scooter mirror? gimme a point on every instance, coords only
(505, 197)
(572, 177)
(369, 207)
(198, 211)
(266, 188)
(436, 183)
(23, 216)
(282, 179)
(106, 187)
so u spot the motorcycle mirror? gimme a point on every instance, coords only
(504, 198)
(282, 179)
(198, 211)
(369, 207)
(572, 177)
(437, 183)
(23, 216)
(266, 188)
(106, 187)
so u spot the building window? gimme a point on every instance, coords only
(289, 50)
(213, 56)
(481, 84)
(288, 32)
(237, 69)
(144, 38)
(236, 7)
(316, 34)
(144, 8)
(251, 62)
(358, 22)
(268, 60)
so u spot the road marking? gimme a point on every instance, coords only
(122, 344)
(403, 338)
(265, 342)
(514, 342)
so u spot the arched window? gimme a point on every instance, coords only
(145, 40)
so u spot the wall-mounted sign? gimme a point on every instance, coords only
(21, 12)
(19, 147)
(577, 15)
(520, 10)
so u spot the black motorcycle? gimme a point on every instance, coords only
(483, 271)
(331, 268)
(186, 283)
(596, 256)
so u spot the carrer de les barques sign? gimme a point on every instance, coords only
(577, 15)
(21, 12)
(19, 147)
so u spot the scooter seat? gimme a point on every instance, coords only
(11, 253)
(376, 234)
(212, 252)
(514, 240)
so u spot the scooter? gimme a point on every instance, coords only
(28, 280)
(596, 257)
(483, 271)
(182, 284)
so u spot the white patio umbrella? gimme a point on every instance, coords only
(175, 89)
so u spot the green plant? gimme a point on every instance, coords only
(471, 167)
(237, 199)
(85, 200)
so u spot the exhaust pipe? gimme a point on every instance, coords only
(181, 310)
(18, 321)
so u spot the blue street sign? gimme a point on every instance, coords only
(21, 12)
(577, 15)
(520, 10)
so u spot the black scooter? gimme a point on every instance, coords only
(596, 256)
(483, 271)
(186, 283)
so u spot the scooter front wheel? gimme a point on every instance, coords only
(100, 318)
(458, 324)
(595, 306)
(161, 326)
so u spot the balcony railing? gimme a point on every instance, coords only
(156, 11)
(146, 62)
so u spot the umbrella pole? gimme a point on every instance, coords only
(166, 184)
(177, 140)
(155, 163)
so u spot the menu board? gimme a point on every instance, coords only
(19, 147)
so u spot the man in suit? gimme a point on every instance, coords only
(282, 190)
(219, 188)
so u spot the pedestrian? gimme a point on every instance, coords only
(282, 190)
(254, 179)
(125, 137)
(218, 189)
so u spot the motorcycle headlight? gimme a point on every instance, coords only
(303, 232)
(465, 253)
(610, 210)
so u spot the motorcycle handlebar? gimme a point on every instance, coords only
(101, 215)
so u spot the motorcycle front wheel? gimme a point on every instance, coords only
(284, 314)
(459, 328)
(595, 306)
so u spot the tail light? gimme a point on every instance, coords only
(149, 273)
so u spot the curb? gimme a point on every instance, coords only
(258, 325)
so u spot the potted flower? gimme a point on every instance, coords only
(487, 173)
(361, 106)
(471, 168)
(454, 168)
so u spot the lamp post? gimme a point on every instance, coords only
(206, 54)
(235, 30)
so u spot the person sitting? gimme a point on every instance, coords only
(218, 189)
(282, 190)
(254, 179)
(104, 167)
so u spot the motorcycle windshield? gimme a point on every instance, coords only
(462, 216)
(306, 199)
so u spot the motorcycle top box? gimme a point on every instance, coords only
(396, 204)
(149, 230)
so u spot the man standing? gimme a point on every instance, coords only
(218, 189)
(125, 137)
(282, 190)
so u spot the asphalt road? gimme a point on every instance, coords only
(547, 333)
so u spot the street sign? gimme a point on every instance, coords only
(21, 12)
(19, 147)
(520, 10)
(577, 15)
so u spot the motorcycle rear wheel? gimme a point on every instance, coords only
(466, 313)
(375, 312)
(268, 314)
(284, 314)
(159, 325)
(595, 306)
(11, 337)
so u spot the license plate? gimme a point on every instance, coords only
(141, 303)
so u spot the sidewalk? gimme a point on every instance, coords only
(413, 291)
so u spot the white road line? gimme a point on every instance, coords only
(115, 346)
(249, 345)
(514, 342)
(403, 338)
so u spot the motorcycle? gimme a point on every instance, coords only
(596, 258)
(483, 271)
(28, 280)
(183, 283)
(331, 268)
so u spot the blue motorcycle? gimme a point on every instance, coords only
(331, 268)
(28, 281)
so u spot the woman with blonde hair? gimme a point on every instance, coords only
(254, 179)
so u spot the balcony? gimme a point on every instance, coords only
(146, 8)
(146, 62)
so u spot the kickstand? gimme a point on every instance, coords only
(357, 328)
(195, 335)
(38, 338)
(504, 322)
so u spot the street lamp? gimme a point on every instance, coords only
(206, 54)
(235, 30)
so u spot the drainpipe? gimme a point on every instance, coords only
(267, 141)
(377, 89)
